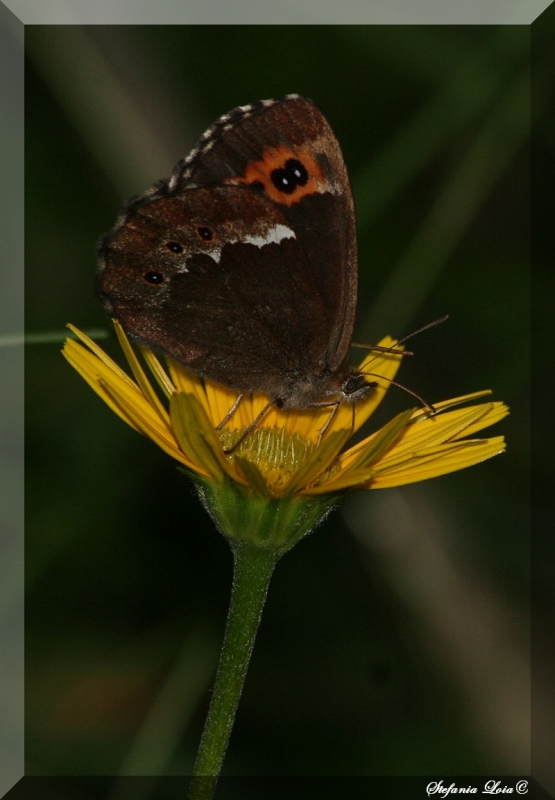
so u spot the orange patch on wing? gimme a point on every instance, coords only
(276, 158)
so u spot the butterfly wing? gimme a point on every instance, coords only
(243, 264)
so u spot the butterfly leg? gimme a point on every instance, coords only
(327, 423)
(230, 413)
(250, 428)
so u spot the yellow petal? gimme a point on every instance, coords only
(198, 438)
(441, 461)
(98, 374)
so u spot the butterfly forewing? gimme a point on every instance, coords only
(243, 264)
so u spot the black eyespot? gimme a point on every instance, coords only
(205, 233)
(292, 174)
(174, 247)
(154, 277)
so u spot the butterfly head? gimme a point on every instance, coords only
(327, 389)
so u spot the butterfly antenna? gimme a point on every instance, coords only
(424, 328)
(379, 349)
(420, 399)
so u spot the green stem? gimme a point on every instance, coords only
(253, 567)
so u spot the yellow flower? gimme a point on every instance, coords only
(285, 457)
(284, 447)
(268, 480)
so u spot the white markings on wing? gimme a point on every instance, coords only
(273, 235)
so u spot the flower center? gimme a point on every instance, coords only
(277, 453)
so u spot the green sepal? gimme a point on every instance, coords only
(271, 523)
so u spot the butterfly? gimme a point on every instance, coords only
(243, 264)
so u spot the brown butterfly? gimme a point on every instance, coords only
(242, 265)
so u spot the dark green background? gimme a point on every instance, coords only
(125, 573)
